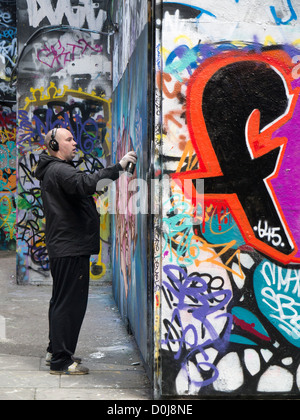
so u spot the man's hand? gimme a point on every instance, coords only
(129, 157)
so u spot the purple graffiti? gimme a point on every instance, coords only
(194, 295)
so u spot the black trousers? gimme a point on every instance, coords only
(67, 307)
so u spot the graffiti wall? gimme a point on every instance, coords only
(8, 56)
(131, 230)
(64, 80)
(226, 266)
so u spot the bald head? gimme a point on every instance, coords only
(66, 144)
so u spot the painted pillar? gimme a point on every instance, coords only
(132, 128)
(227, 273)
(64, 79)
(8, 55)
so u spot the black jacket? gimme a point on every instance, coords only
(72, 220)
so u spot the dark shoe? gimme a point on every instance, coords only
(73, 369)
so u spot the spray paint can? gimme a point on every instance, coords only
(130, 168)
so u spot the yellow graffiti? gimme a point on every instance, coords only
(52, 92)
(269, 41)
(5, 203)
(98, 269)
(188, 40)
(41, 97)
(189, 153)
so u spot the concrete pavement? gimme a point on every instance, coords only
(116, 369)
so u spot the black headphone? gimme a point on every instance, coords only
(53, 143)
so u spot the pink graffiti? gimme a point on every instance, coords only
(58, 55)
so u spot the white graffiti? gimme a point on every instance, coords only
(6, 89)
(286, 311)
(270, 233)
(75, 15)
(281, 295)
(286, 280)
(8, 52)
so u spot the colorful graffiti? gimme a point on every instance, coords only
(226, 309)
(8, 53)
(87, 117)
(64, 80)
(233, 126)
(7, 178)
(130, 228)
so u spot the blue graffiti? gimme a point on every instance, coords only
(201, 11)
(185, 58)
(277, 291)
(84, 132)
(280, 21)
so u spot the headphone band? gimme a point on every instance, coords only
(53, 134)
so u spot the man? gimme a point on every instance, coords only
(72, 236)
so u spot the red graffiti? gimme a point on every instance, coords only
(229, 172)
